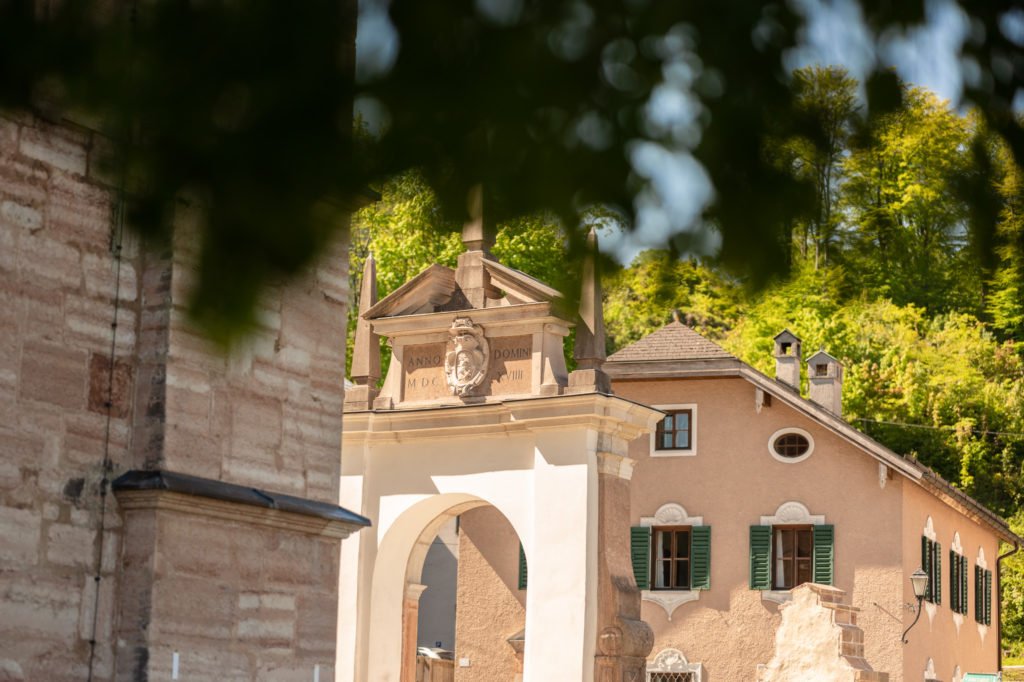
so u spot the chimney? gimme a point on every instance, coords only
(787, 358)
(825, 375)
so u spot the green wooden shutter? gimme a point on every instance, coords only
(700, 558)
(988, 597)
(963, 585)
(824, 554)
(937, 567)
(954, 582)
(926, 566)
(640, 553)
(760, 557)
(522, 567)
(979, 597)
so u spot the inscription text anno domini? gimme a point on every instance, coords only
(511, 368)
(423, 372)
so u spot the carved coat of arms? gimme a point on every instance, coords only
(465, 362)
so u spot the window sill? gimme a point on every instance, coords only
(670, 600)
(674, 453)
(777, 596)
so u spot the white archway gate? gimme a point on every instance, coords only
(543, 463)
(477, 408)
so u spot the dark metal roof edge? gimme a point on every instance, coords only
(186, 484)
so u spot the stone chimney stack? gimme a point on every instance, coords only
(787, 358)
(825, 376)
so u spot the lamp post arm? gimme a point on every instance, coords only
(920, 604)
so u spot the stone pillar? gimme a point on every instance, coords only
(624, 640)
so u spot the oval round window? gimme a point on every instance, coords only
(791, 445)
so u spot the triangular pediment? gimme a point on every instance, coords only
(518, 286)
(424, 293)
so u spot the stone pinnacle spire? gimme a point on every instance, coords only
(366, 353)
(470, 273)
(475, 235)
(589, 349)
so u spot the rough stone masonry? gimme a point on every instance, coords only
(98, 363)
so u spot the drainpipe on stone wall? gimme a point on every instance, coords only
(999, 595)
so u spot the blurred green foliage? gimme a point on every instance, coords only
(247, 108)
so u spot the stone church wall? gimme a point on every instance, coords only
(269, 417)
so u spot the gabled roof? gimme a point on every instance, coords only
(674, 341)
(826, 356)
(675, 350)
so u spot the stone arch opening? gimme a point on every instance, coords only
(397, 580)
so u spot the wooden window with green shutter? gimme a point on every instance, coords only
(640, 553)
(760, 557)
(522, 567)
(824, 554)
(957, 582)
(671, 557)
(931, 564)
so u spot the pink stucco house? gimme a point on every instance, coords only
(748, 489)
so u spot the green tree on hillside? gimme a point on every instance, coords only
(827, 98)
(1005, 304)
(908, 238)
(641, 297)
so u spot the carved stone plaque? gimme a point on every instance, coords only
(511, 369)
(423, 372)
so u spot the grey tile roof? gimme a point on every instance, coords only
(674, 341)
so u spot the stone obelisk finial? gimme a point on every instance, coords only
(589, 350)
(366, 351)
(475, 236)
(470, 274)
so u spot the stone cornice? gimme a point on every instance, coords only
(166, 490)
(164, 500)
(609, 414)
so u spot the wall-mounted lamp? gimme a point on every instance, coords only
(919, 581)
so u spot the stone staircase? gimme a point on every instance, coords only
(819, 639)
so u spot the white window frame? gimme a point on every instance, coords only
(783, 432)
(692, 452)
(673, 661)
(670, 514)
